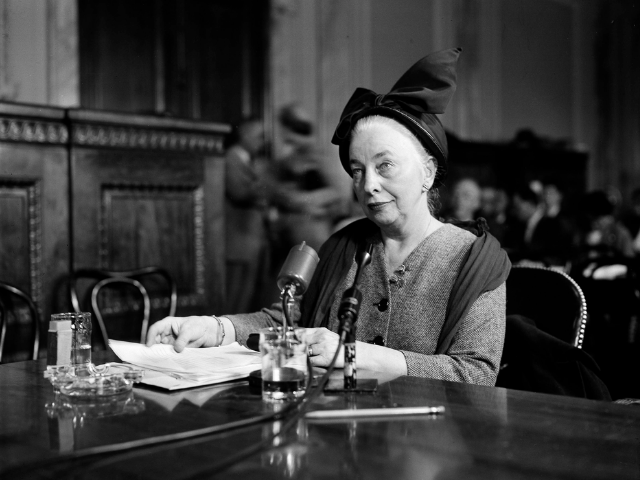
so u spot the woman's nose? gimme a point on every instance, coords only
(371, 183)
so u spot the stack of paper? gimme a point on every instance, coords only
(166, 368)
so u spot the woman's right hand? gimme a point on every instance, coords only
(182, 332)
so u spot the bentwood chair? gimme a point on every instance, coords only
(112, 282)
(552, 299)
(12, 307)
(143, 275)
(122, 302)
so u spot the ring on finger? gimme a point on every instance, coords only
(310, 351)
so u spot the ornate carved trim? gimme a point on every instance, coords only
(34, 206)
(109, 190)
(32, 131)
(143, 138)
(198, 224)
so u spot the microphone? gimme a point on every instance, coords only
(352, 297)
(298, 269)
(348, 314)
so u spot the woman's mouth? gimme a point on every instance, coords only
(377, 205)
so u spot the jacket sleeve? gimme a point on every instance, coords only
(248, 323)
(475, 352)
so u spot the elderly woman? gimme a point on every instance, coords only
(433, 295)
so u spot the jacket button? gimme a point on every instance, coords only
(383, 304)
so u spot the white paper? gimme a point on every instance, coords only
(165, 368)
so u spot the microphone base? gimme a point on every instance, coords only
(365, 385)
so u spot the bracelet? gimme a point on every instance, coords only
(221, 329)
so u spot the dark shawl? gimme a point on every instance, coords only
(485, 267)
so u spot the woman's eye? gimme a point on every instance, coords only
(384, 166)
(356, 171)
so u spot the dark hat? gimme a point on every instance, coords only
(423, 91)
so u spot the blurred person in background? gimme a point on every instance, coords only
(308, 198)
(494, 203)
(631, 219)
(465, 200)
(602, 234)
(537, 237)
(552, 197)
(247, 195)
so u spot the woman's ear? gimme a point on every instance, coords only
(429, 170)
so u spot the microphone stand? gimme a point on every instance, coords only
(348, 315)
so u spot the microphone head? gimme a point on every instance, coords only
(298, 268)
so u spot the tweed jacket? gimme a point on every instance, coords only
(407, 309)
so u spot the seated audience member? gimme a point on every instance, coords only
(602, 233)
(537, 237)
(465, 200)
(631, 219)
(434, 293)
(494, 203)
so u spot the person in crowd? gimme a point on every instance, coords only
(631, 220)
(536, 236)
(494, 205)
(433, 296)
(558, 215)
(465, 200)
(309, 199)
(602, 233)
(247, 198)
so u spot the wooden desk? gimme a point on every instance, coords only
(485, 433)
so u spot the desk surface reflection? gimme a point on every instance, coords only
(485, 433)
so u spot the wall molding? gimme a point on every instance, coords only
(32, 131)
(151, 139)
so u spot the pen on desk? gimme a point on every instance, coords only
(374, 412)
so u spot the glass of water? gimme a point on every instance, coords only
(284, 364)
(81, 339)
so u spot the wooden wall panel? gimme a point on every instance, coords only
(156, 203)
(34, 222)
(86, 189)
(19, 237)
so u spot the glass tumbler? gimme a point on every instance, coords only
(81, 341)
(284, 364)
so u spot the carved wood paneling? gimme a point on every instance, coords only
(32, 131)
(148, 224)
(85, 189)
(21, 235)
(149, 191)
(130, 137)
(34, 222)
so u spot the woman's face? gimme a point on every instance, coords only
(388, 174)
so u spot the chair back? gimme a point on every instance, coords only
(9, 309)
(550, 298)
(141, 274)
(111, 282)
(612, 285)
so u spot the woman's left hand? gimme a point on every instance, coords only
(321, 345)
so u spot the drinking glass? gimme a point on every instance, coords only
(81, 343)
(284, 364)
